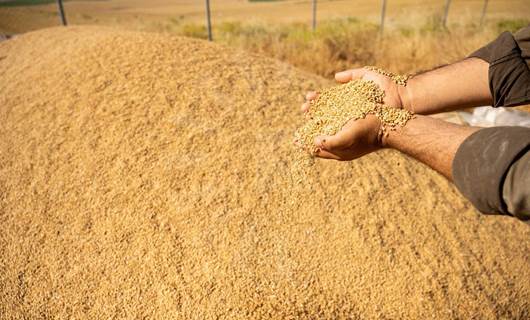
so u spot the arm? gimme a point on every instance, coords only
(460, 85)
(490, 167)
(431, 141)
(497, 75)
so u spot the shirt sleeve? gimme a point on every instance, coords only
(515, 191)
(491, 169)
(509, 74)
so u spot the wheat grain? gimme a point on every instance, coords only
(351, 101)
(397, 78)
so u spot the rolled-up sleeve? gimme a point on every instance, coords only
(492, 169)
(509, 74)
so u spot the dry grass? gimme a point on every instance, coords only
(346, 43)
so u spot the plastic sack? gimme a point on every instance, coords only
(494, 117)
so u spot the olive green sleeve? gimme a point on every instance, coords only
(516, 188)
(509, 75)
(492, 169)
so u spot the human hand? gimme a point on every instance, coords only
(357, 137)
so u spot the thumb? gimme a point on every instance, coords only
(348, 75)
(333, 143)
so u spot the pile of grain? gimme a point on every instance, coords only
(354, 100)
(144, 176)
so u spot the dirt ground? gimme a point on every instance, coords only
(143, 175)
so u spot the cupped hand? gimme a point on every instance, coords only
(358, 137)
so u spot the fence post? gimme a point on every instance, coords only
(314, 25)
(484, 9)
(446, 12)
(61, 12)
(383, 11)
(208, 21)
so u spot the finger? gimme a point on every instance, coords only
(311, 95)
(348, 75)
(319, 153)
(333, 143)
(305, 106)
(339, 155)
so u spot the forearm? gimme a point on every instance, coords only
(431, 141)
(497, 74)
(460, 85)
(490, 166)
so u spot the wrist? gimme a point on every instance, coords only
(385, 138)
(374, 132)
(394, 138)
(405, 96)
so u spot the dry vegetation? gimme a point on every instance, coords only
(144, 176)
(346, 43)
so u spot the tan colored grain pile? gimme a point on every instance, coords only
(144, 176)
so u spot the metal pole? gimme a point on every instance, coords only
(383, 11)
(484, 9)
(446, 13)
(61, 11)
(208, 20)
(314, 26)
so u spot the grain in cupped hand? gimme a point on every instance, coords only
(354, 100)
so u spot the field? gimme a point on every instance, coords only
(148, 175)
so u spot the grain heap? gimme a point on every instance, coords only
(147, 176)
(351, 101)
